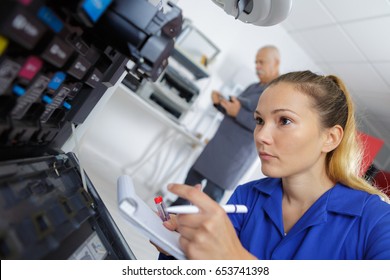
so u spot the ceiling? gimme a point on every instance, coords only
(351, 38)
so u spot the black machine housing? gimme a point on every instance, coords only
(57, 59)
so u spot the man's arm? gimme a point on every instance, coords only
(245, 118)
(241, 114)
(240, 108)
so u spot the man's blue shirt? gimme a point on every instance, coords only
(342, 224)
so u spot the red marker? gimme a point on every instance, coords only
(161, 208)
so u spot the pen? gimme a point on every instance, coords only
(191, 209)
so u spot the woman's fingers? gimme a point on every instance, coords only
(195, 196)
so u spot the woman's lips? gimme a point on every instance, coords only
(265, 156)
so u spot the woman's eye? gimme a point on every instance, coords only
(259, 121)
(285, 121)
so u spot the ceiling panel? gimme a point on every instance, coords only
(306, 14)
(378, 101)
(332, 43)
(372, 37)
(346, 10)
(305, 45)
(326, 70)
(360, 77)
(384, 70)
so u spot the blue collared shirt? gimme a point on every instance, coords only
(342, 224)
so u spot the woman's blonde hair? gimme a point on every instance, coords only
(335, 107)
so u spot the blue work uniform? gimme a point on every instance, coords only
(343, 223)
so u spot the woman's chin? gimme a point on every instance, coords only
(270, 173)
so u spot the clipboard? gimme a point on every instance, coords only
(143, 219)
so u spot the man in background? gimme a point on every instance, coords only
(231, 151)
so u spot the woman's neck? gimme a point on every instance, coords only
(299, 194)
(305, 189)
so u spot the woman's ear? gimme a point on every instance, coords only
(333, 135)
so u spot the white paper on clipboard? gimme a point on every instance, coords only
(142, 217)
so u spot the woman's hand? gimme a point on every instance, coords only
(208, 234)
(171, 224)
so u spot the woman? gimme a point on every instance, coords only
(313, 203)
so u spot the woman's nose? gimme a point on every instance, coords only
(262, 134)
